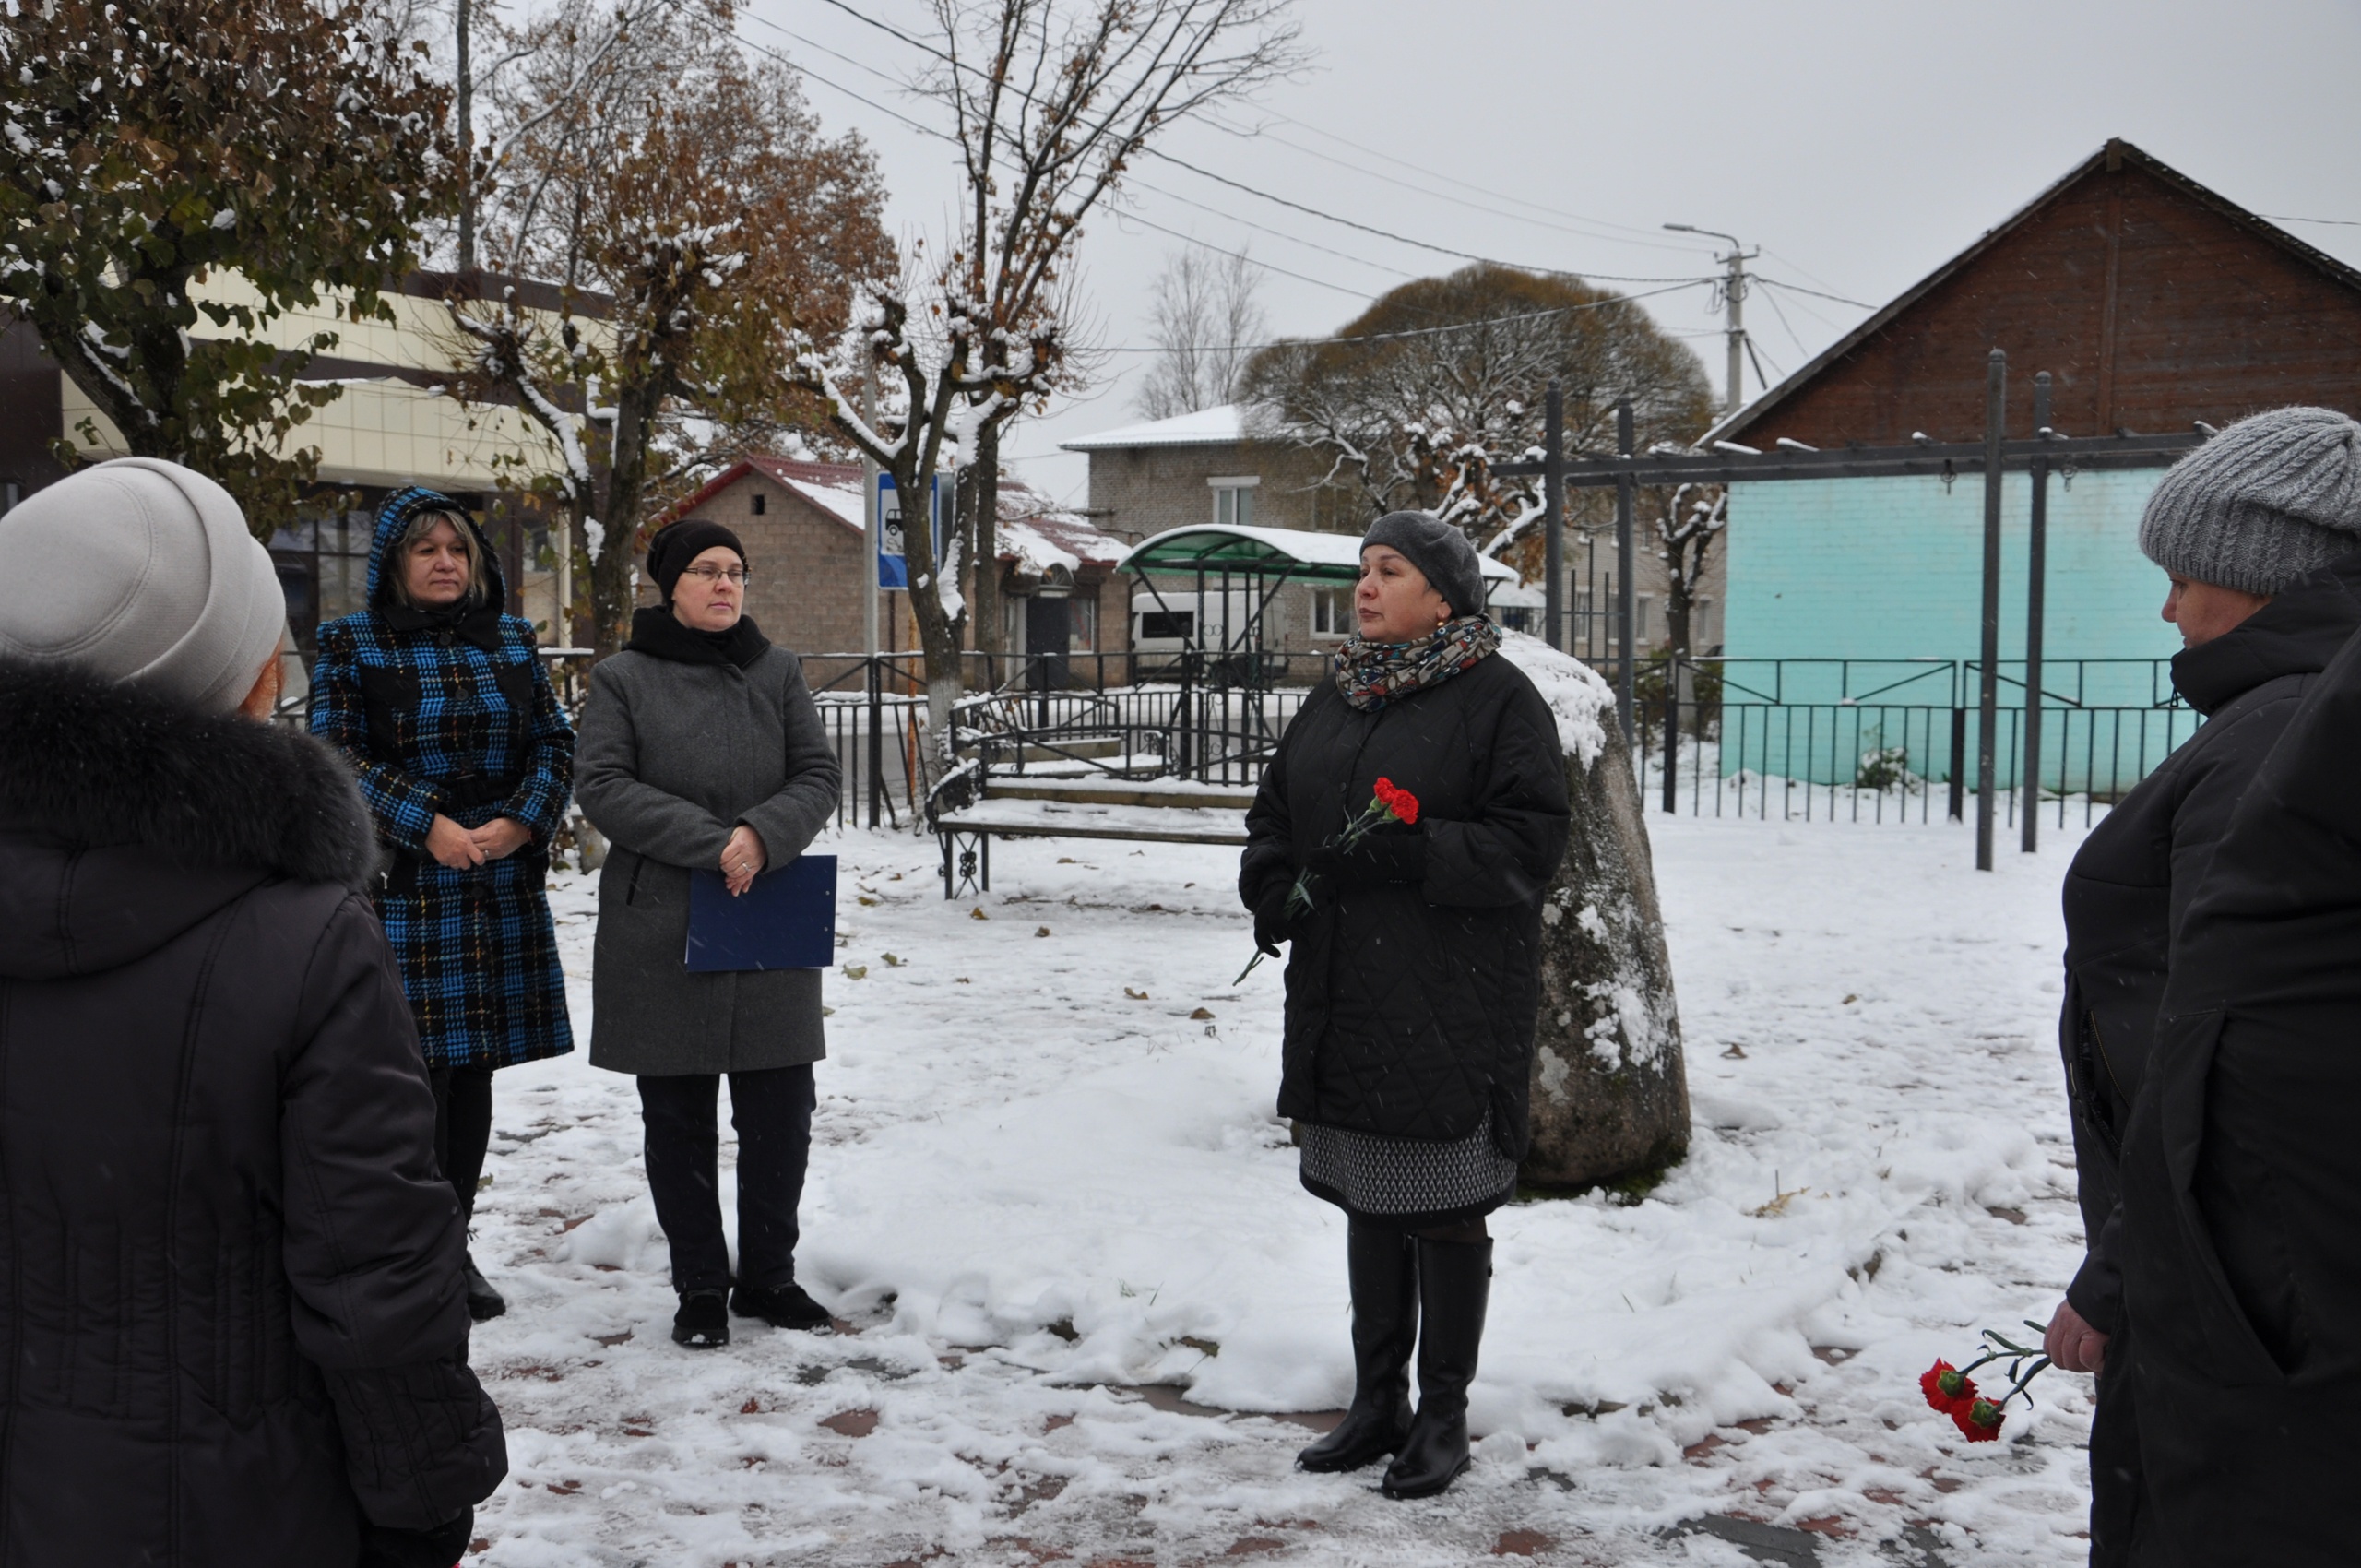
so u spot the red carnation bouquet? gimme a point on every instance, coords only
(1388, 802)
(1951, 1390)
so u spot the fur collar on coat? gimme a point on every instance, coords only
(92, 763)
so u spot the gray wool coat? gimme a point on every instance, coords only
(670, 758)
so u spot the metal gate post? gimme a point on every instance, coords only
(2037, 586)
(1553, 515)
(1987, 701)
(876, 740)
(1626, 549)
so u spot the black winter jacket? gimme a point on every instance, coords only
(234, 1323)
(2130, 883)
(2242, 1172)
(1410, 1006)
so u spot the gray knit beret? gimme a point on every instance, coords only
(2268, 499)
(141, 571)
(1437, 549)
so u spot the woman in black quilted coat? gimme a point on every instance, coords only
(1413, 979)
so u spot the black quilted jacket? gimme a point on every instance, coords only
(1410, 1006)
(232, 1322)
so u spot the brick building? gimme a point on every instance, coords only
(391, 426)
(803, 523)
(2153, 302)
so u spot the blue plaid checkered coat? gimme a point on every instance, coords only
(436, 724)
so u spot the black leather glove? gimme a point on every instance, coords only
(1378, 861)
(1271, 920)
(440, 1546)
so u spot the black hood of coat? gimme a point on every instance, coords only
(2297, 634)
(125, 819)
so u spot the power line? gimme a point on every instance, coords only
(923, 46)
(1405, 332)
(1649, 234)
(1815, 294)
(1277, 233)
(2338, 222)
(1121, 216)
(1399, 239)
(1258, 133)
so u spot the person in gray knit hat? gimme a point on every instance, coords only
(1437, 549)
(2266, 500)
(142, 571)
(2260, 530)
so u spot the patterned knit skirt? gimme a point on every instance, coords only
(1407, 1183)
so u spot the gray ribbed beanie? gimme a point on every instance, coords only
(2268, 499)
(1437, 549)
(140, 571)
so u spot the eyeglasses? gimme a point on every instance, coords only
(736, 576)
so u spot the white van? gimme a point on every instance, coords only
(1181, 619)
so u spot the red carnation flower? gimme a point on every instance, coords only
(1400, 802)
(1947, 1388)
(1979, 1421)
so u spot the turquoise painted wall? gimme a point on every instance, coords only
(1887, 572)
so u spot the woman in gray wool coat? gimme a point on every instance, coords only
(701, 749)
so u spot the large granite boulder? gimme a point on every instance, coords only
(1610, 1097)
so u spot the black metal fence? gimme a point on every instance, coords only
(1809, 740)
(1877, 740)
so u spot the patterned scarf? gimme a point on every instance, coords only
(1372, 674)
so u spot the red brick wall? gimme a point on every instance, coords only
(2210, 321)
(806, 565)
(808, 575)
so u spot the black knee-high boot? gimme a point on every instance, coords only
(1381, 1268)
(1454, 1283)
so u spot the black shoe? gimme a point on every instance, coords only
(702, 1321)
(1382, 1267)
(483, 1302)
(1455, 1280)
(786, 1306)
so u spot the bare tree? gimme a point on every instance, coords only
(1688, 518)
(1050, 101)
(640, 158)
(1415, 402)
(1208, 322)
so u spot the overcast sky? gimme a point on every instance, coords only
(1859, 145)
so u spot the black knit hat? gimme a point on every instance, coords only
(669, 552)
(1438, 550)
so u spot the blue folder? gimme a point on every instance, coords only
(786, 920)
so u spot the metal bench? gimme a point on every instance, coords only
(1162, 811)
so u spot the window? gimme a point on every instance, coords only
(1640, 623)
(1234, 501)
(760, 501)
(1082, 622)
(1166, 626)
(1332, 613)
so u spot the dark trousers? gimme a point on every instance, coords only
(462, 1128)
(772, 1112)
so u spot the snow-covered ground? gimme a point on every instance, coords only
(1081, 1289)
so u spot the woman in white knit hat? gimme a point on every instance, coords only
(236, 1328)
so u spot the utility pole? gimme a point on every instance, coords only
(1732, 291)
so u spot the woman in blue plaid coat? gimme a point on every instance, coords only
(442, 704)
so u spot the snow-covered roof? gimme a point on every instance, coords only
(1206, 427)
(1035, 533)
(1299, 552)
